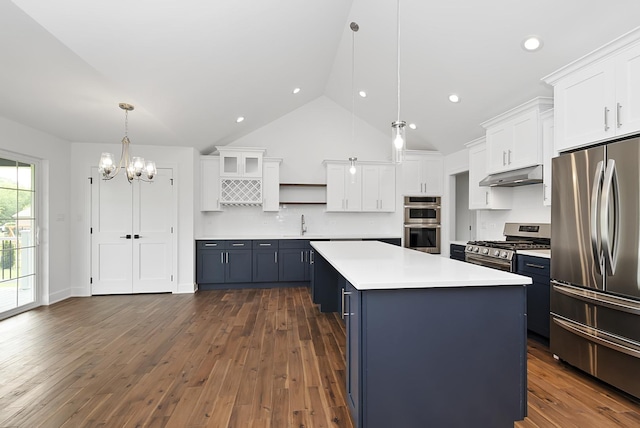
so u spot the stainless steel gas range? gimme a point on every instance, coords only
(502, 254)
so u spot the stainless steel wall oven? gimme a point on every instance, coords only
(422, 223)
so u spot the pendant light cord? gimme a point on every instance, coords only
(353, 95)
(398, 49)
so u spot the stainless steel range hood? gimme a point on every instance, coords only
(518, 177)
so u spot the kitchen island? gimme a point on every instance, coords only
(430, 341)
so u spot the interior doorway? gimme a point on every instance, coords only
(132, 234)
(464, 217)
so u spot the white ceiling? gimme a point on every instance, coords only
(192, 67)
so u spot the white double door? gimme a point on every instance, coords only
(132, 242)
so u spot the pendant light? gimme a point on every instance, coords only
(135, 166)
(352, 160)
(397, 127)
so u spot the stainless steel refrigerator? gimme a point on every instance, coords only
(595, 270)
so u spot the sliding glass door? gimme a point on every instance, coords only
(17, 235)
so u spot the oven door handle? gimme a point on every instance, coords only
(422, 226)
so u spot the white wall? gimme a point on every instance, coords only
(181, 159)
(319, 130)
(54, 155)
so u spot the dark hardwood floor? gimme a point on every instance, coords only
(230, 358)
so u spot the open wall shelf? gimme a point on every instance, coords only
(303, 193)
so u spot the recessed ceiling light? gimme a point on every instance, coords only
(454, 98)
(413, 126)
(239, 119)
(532, 43)
(296, 90)
(363, 94)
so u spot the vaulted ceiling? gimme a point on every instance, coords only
(192, 67)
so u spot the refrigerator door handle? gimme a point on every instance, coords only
(610, 243)
(600, 337)
(599, 299)
(595, 216)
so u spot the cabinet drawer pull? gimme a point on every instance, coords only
(265, 245)
(237, 245)
(534, 265)
(210, 245)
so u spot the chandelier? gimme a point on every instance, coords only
(398, 125)
(135, 167)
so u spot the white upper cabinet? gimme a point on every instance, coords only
(271, 184)
(379, 188)
(548, 152)
(371, 189)
(484, 198)
(514, 139)
(240, 161)
(344, 190)
(598, 97)
(209, 183)
(422, 173)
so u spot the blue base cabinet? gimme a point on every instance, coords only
(456, 251)
(265, 261)
(538, 293)
(437, 357)
(295, 259)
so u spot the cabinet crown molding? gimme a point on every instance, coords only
(358, 162)
(594, 56)
(476, 142)
(539, 103)
(222, 149)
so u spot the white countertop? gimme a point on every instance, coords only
(536, 253)
(372, 265)
(305, 236)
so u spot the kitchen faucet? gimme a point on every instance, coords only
(303, 226)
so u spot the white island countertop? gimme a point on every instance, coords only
(372, 265)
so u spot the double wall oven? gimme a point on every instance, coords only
(422, 223)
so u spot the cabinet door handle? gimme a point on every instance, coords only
(342, 312)
(504, 154)
(534, 265)
(126, 237)
(347, 201)
(619, 122)
(221, 258)
(301, 256)
(486, 198)
(310, 257)
(509, 157)
(606, 119)
(227, 255)
(380, 203)
(275, 257)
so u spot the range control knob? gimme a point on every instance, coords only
(469, 248)
(476, 249)
(504, 255)
(496, 253)
(485, 251)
